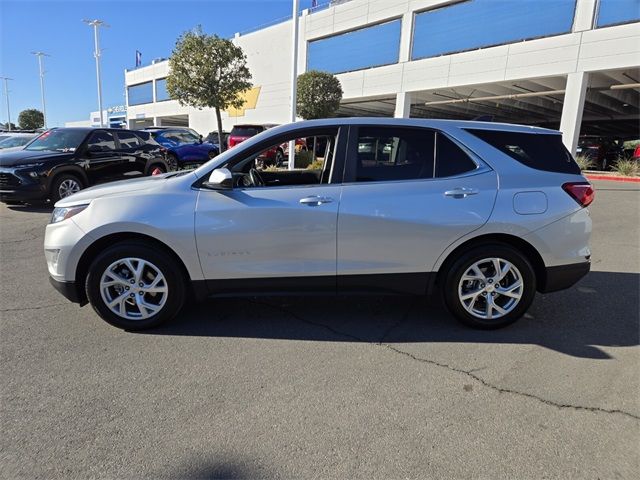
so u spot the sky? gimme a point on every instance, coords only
(150, 26)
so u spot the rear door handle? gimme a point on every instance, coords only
(461, 192)
(315, 201)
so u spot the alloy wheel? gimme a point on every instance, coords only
(68, 187)
(490, 288)
(133, 288)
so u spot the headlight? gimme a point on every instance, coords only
(29, 166)
(62, 213)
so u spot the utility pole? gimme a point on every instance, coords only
(44, 108)
(96, 24)
(294, 77)
(6, 95)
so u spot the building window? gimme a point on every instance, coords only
(161, 90)
(613, 12)
(139, 94)
(363, 48)
(474, 24)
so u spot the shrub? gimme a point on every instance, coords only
(316, 164)
(584, 162)
(627, 168)
(304, 159)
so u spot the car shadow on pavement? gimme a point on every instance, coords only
(41, 208)
(602, 310)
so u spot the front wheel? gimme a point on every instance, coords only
(134, 287)
(64, 185)
(490, 286)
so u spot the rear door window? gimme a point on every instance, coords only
(388, 154)
(128, 140)
(101, 141)
(541, 151)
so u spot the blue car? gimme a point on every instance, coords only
(185, 148)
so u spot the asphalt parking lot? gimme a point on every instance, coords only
(353, 387)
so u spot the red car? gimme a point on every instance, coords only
(274, 156)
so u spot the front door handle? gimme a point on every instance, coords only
(461, 192)
(315, 201)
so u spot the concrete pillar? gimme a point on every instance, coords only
(302, 41)
(572, 108)
(406, 34)
(403, 105)
(585, 15)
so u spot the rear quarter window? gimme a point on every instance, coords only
(541, 151)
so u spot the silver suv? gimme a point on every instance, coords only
(487, 213)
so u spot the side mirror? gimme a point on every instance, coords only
(200, 139)
(220, 179)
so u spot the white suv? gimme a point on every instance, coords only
(488, 213)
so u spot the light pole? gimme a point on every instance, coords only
(44, 108)
(96, 24)
(294, 77)
(6, 95)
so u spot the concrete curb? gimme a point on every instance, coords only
(613, 178)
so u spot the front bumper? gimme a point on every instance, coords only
(69, 290)
(15, 186)
(563, 276)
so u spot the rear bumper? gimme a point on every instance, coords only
(69, 290)
(564, 276)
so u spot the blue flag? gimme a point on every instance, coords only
(138, 59)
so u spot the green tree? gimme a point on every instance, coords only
(31, 119)
(208, 71)
(319, 95)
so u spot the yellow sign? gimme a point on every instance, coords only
(250, 100)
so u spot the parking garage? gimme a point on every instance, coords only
(611, 104)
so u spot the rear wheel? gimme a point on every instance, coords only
(279, 158)
(490, 286)
(64, 185)
(134, 287)
(212, 154)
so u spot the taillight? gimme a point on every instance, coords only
(582, 192)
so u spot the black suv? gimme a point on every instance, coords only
(62, 161)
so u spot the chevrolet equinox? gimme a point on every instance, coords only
(487, 213)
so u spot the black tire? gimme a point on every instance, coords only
(604, 166)
(56, 192)
(279, 158)
(175, 283)
(172, 161)
(458, 268)
(212, 154)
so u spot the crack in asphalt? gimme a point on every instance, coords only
(468, 373)
(21, 309)
(33, 235)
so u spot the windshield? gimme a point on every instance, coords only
(15, 141)
(60, 140)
